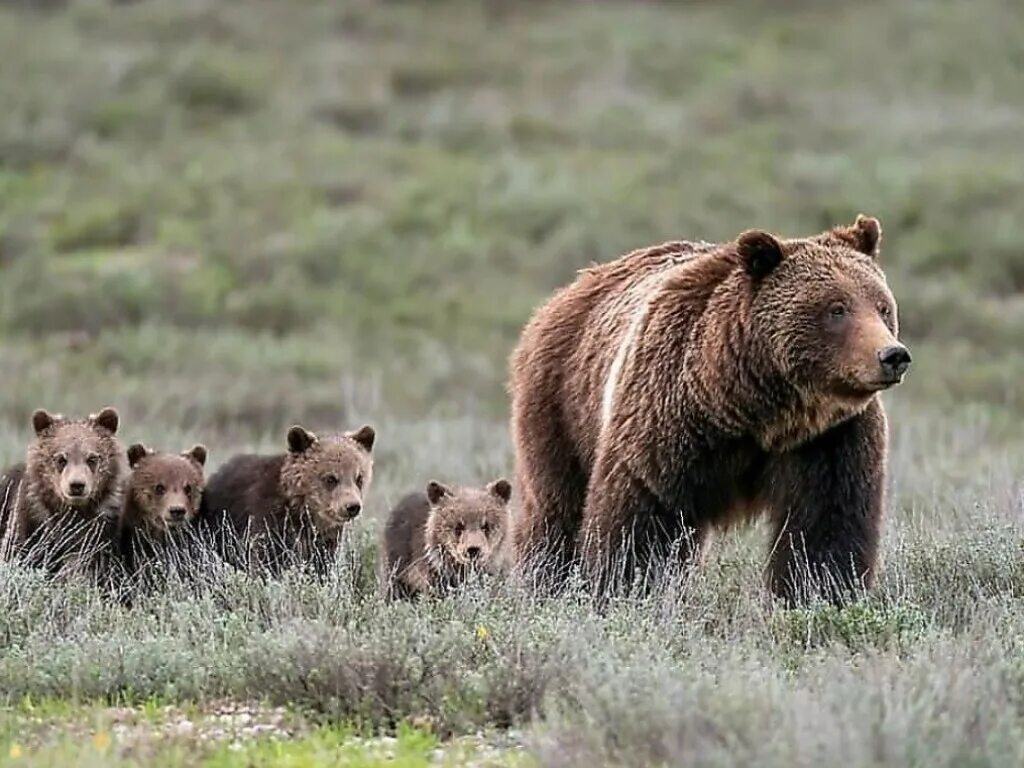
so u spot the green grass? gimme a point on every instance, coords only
(224, 218)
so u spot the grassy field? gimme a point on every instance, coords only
(224, 218)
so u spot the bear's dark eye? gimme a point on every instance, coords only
(837, 310)
(61, 461)
(159, 489)
(486, 528)
(188, 490)
(883, 310)
(459, 528)
(93, 461)
(331, 481)
(359, 481)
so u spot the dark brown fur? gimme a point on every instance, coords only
(68, 494)
(162, 501)
(293, 505)
(433, 541)
(684, 388)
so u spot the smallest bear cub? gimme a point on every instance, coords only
(433, 541)
(162, 500)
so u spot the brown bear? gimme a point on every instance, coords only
(268, 511)
(687, 387)
(162, 499)
(433, 541)
(64, 500)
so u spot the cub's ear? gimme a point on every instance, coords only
(107, 418)
(42, 420)
(198, 454)
(300, 439)
(760, 251)
(501, 489)
(436, 491)
(864, 235)
(365, 436)
(136, 453)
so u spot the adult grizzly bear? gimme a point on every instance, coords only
(689, 386)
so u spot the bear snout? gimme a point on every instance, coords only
(895, 360)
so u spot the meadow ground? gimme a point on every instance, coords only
(227, 217)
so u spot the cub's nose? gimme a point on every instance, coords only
(895, 360)
(473, 552)
(76, 488)
(353, 509)
(177, 513)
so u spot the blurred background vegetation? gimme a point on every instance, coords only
(238, 214)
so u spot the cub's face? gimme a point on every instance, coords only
(328, 476)
(80, 459)
(824, 311)
(166, 488)
(466, 526)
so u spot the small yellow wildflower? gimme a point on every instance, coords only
(14, 752)
(101, 740)
(481, 632)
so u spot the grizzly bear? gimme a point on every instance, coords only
(688, 387)
(270, 511)
(64, 500)
(162, 499)
(433, 541)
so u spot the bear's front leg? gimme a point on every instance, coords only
(626, 527)
(827, 498)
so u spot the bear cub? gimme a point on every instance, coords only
(62, 504)
(269, 511)
(162, 502)
(433, 541)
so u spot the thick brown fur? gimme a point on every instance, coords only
(292, 506)
(433, 541)
(69, 493)
(686, 387)
(162, 502)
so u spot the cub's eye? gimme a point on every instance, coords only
(61, 461)
(188, 490)
(486, 528)
(159, 489)
(330, 481)
(837, 310)
(459, 528)
(93, 461)
(883, 310)
(359, 481)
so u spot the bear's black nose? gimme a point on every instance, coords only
(473, 552)
(77, 488)
(353, 509)
(177, 513)
(895, 360)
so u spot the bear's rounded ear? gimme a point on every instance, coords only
(365, 436)
(501, 489)
(107, 418)
(300, 439)
(760, 251)
(864, 235)
(198, 454)
(436, 491)
(136, 453)
(42, 420)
